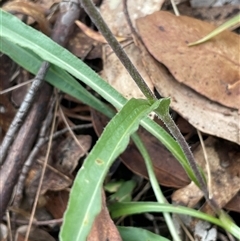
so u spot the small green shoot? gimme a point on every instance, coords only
(233, 22)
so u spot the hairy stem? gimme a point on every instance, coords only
(118, 50)
(166, 118)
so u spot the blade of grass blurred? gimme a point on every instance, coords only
(154, 183)
(233, 22)
(20, 34)
(122, 209)
(133, 234)
(85, 199)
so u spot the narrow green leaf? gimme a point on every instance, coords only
(133, 234)
(86, 189)
(123, 209)
(230, 23)
(130, 208)
(19, 33)
(55, 76)
(164, 107)
(154, 183)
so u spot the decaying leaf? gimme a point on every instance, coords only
(117, 76)
(214, 15)
(204, 114)
(83, 46)
(224, 163)
(207, 116)
(103, 227)
(56, 203)
(114, 72)
(64, 158)
(113, 13)
(211, 69)
(7, 109)
(36, 234)
(34, 10)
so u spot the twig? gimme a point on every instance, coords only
(39, 223)
(16, 87)
(23, 111)
(70, 130)
(41, 178)
(28, 164)
(22, 146)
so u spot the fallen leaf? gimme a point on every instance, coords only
(234, 204)
(83, 46)
(103, 227)
(207, 116)
(7, 109)
(117, 76)
(113, 13)
(34, 10)
(56, 203)
(211, 69)
(214, 15)
(64, 159)
(36, 234)
(68, 153)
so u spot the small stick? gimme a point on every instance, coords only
(23, 111)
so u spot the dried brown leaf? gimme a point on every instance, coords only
(36, 234)
(211, 69)
(103, 227)
(7, 109)
(83, 46)
(205, 115)
(64, 159)
(31, 9)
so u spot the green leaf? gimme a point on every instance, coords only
(130, 208)
(113, 186)
(85, 196)
(124, 192)
(163, 109)
(55, 76)
(123, 209)
(133, 234)
(230, 23)
(19, 33)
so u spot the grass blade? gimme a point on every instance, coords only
(55, 76)
(229, 24)
(133, 234)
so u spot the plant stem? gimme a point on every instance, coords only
(172, 127)
(118, 50)
(155, 186)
